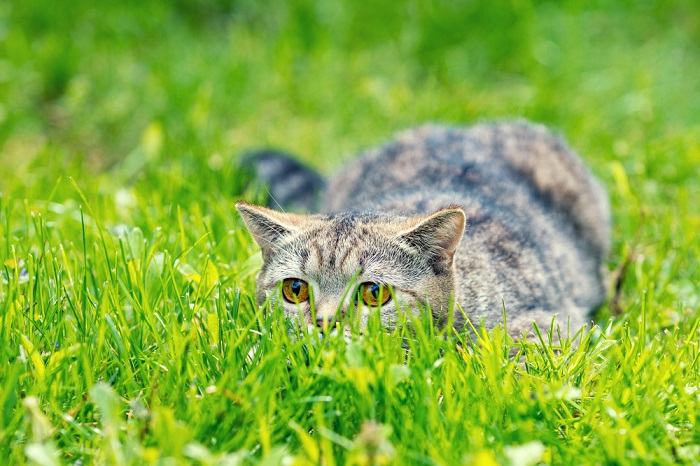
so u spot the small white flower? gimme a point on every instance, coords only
(568, 393)
(526, 454)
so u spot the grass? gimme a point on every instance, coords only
(126, 278)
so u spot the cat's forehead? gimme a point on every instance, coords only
(354, 224)
(345, 238)
(341, 246)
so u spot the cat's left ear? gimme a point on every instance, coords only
(268, 226)
(439, 234)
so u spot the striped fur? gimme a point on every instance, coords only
(293, 186)
(535, 244)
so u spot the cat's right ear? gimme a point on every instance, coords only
(268, 226)
(438, 234)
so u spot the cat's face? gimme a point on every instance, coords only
(319, 267)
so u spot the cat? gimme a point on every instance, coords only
(484, 222)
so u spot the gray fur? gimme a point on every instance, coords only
(537, 235)
(292, 184)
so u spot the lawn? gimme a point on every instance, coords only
(128, 331)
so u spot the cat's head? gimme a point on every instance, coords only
(320, 266)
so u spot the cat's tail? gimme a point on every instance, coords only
(292, 185)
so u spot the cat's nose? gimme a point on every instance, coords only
(325, 315)
(324, 322)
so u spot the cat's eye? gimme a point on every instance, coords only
(374, 294)
(295, 290)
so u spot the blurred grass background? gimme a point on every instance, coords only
(120, 126)
(326, 78)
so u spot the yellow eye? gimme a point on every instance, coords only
(295, 290)
(374, 294)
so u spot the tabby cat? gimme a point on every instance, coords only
(478, 223)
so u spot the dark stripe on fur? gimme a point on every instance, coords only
(292, 185)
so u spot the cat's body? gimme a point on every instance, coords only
(537, 233)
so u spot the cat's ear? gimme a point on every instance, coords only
(438, 234)
(268, 226)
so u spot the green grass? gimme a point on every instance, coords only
(128, 334)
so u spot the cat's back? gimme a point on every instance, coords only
(538, 222)
(507, 166)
